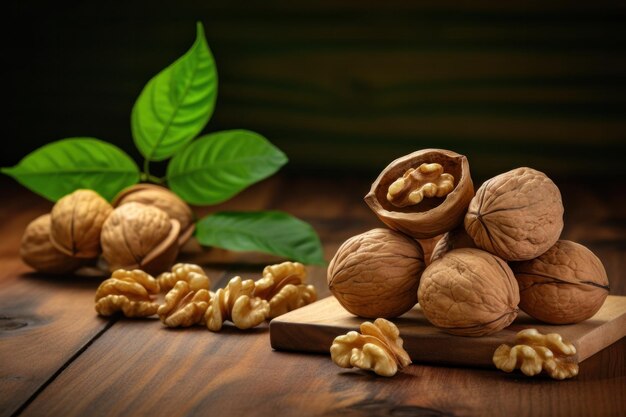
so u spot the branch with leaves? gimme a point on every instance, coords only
(171, 111)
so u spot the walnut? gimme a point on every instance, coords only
(377, 348)
(76, 221)
(160, 197)
(377, 273)
(140, 236)
(425, 181)
(454, 239)
(192, 274)
(236, 303)
(535, 352)
(517, 215)
(428, 246)
(567, 284)
(37, 251)
(431, 216)
(130, 292)
(184, 306)
(469, 292)
(283, 286)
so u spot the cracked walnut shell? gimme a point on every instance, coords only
(166, 200)
(130, 292)
(469, 292)
(377, 273)
(184, 306)
(193, 274)
(236, 303)
(37, 251)
(136, 236)
(284, 287)
(377, 348)
(567, 284)
(517, 215)
(76, 222)
(535, 352)
(431, 216)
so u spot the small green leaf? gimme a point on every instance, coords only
(177, 103)
(272, 232)
(61, 167)
(215, 167)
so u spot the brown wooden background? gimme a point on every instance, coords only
(344, 85)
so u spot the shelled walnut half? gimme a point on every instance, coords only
(130, 292)
(193, 274)
(238, 304)
(377, 348)
(535, 352)
(184, 306)
(284, 287)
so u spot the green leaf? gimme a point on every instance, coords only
(215, 167)
(272, 232)
(177, 103)
(61, 167)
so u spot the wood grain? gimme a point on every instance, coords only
(313, 328)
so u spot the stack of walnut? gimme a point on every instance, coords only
(140, 234)
(493, 252)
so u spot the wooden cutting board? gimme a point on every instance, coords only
(313, 328)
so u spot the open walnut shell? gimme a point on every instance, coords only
(137, 236)
(432, 216)
(160, 197)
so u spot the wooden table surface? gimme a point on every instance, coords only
(58, 358)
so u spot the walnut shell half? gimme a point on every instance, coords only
(469, 292)
(567, 284)
(517, 215)
(137, 236)
(160, 197)
(432, 216)
(377, 273)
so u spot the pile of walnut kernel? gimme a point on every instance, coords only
(471, 259)
(139, 235)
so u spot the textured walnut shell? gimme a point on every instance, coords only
(454, 239)
(161, 197)
(517, 215)
(137, 236)
(469, 292)
(377, 273)
(567, 284)
(37, 251)
(76, 221)
(432, 216)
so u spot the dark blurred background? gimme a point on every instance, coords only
(338, 85)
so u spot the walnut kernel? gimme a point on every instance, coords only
(193, 274)
(283, 286)
(236, 303)
(129, 292)
(378, 348)
(184, 306)
(425, 181)
(535, 352)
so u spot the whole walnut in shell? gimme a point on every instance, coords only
(137, 236)
(161, 197)
(434, 215)
(517, 215)
(377, 273)
(567, 284)
(76, 221)
(469, 292)
(37, 251)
